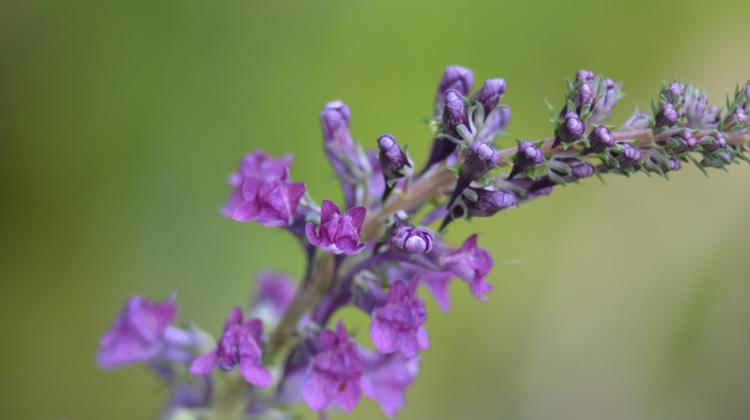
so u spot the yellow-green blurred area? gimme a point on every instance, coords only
(119, 121)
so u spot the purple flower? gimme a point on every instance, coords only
(338, 233)
(139, 333)
(673, 92)
(261, 191)
(334, 119)
(349, 163)
(273, 292)
(637, 121)
(240, 343)
(386, 377)
(471, 264)
(271, 203)
(480, 158)
(458, 78)
(601, 139)
(698, 112)
(454, 113)
(335, 372)
(413, 240)
(398, 323)
(528, 156)
(570, 130)
(392, 159)
(490, 201)
(580, 169)
(628, 155)
(584, 75)
(682, 143)
(489, 95)
(667, 115)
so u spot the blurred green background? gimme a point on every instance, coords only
(119, 121)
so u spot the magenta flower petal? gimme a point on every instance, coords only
(398, 321)
(338, 233)
(203, 365)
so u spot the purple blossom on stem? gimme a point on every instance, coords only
(413, 240)
(667, 115)
(471, 264)
(385, 378)
(527, 156)
(338, 233)
(571, 129)
(490, 201)
(261, 191)
(489, 95)
(335, 372)
(139, 333)
(480, 158)
(457, 78)
(398, 323)
(240, 344)
(494, 124)
(606, 101)
(341, 150)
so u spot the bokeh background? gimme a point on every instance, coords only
(119, 121)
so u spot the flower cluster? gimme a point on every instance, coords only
(385, 239)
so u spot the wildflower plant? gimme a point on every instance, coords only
(373, 250)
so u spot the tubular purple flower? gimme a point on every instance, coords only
(240, 344)
(527, 156)
(490, 201)
(454, 113)
(338, 233)
(341, 150)
(637, 121)
(682, 143)
(393, 162)
(471, 264)
(398, 323)
(335, 372)
(458, 78)
(413, 240)
(385, 378)
(139, 333)
(584, 75)
(480, 158)
(570, 129)
(489, 95)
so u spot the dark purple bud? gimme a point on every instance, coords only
(454, 113)
(528, 155)
(571, 129)
(601, 139)
(580, 169)
(480, 158)
(629, 155)
(457, 78)
(392, 159)
(682, 143)
(674, 164)
(489, 95)
(490, 201)
(412, 240)
(667, 115)
(585, 95)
